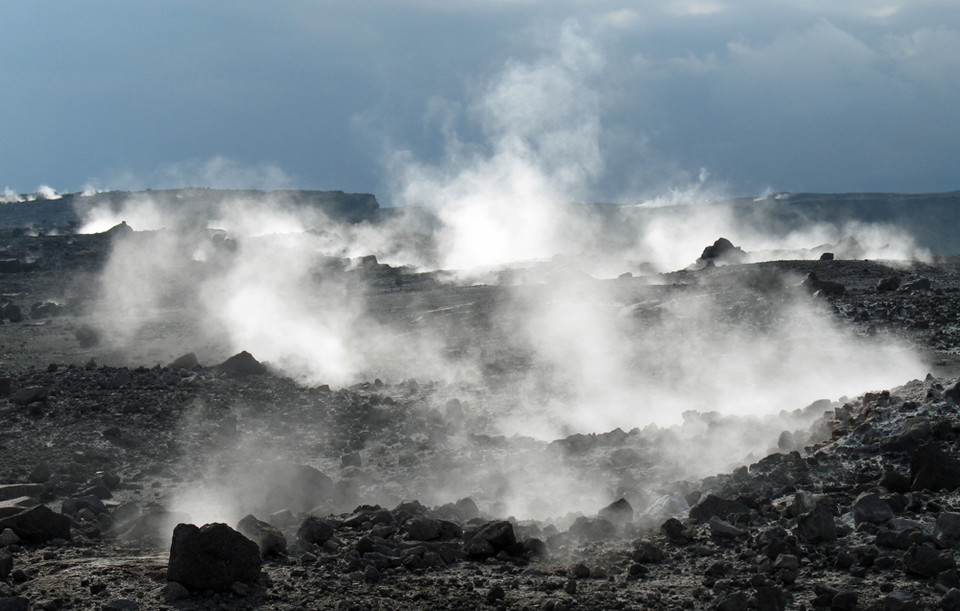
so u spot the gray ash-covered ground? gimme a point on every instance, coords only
(411, 486)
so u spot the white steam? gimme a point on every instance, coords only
(498, 202)
(548, 348)
(10, 196)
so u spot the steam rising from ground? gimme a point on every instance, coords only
(554, 349)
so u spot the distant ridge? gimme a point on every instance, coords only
(932, 218)
(65, 213)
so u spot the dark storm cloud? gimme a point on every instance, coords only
(797, 96)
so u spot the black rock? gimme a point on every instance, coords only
(213, 557)
(315, 530)
(28, 395)
(714, 506)
(920, 284)
(818, 525)
(619, 512)
(771, 598)
(815, 285)
(593, 529)
(646, 553)
(932, 468)
(870, 507)
(423, 528)
(499, 535)
(299, 488)
(14, 603)
(951, 600)
(38, 525)
(722, 250)
(889, 283)
(269, 540)
(844, 601)
(6, 564)
(186, 361)
(948, 527)
(674, 530)
(736, 601)
(927, 561)
(952, 392)
(242, 364)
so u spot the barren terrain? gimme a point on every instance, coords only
(409, 490)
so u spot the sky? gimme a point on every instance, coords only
(610, 100)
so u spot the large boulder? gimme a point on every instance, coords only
(212, 557)
(38, 524)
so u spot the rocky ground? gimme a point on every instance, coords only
(390, 494)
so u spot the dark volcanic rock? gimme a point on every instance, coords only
(823, 287)
(315, 530)
(6, 564)
(927, 561)
(593, 529)
(818, 525)
(213, 557)
(499, 535)
(242, 364)
(722, 250)
(948, 526)
(714, 506)
(423, 528)
(619, 512)
(28, 395)
(270, 540)
(932, 468)
(38, 524)
(889, 283)
(920, 284)
(299, 488)
(187, 361)
(869, 507)
(13, 491)
(14, 603)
